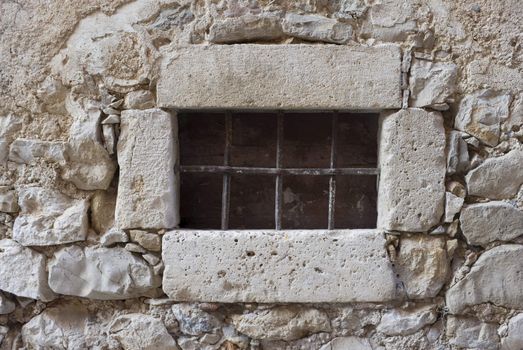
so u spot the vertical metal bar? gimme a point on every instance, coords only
(332, 179)
(226, 189)
(279, 180)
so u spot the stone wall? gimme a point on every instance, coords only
(90, 257)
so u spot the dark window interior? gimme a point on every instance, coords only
(278, 170)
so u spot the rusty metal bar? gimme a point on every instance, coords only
(278, 196)
(275, 171)
(226, 189)
(332, 180)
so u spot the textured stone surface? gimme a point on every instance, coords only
(316, 28)
(432, 83)
(493, 221)
(514, 338)
(411, 188)
(141, 332)
(422, 265)
(246, 28)
(6, 305)
(147, 153)
(28, 151)
(344, 343)
(453, 205)
(277, 266)
(113, 236)
(8, 200)
(471, 333)
(282, 323)
(102, 210)
(497, 178)
(407, 321)
(194, 321)
(100, 273)
(150, 241)
(23, 272)
(48, 217)
(482, 113)
(457, 153)
(281, 77)
(499, 266)
(140, 99)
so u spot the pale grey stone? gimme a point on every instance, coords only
(280, 77)
(350, 9)
(453, 205)
(28, 151)
(497, 178)
(471, 333)
(6, 305)
(148, 186)
(194, 321)
(278, 266)
(431, 83)
(8, 200)
(514, 338)
(111, 119)
(422, 265)
(89, 166)
(113, 236)
(139, 99)
(100, 273)
(246, 28)
(150, 241)
(351, 320)
(23, 272)
(281, 323)
(3, 332)
(151, 259)
(412, 177)
(135, 248)
(102, 208)
(515, 120)
(141, 332)
(457, 153)
(109, 138)
(346, 343)
(4, 152)
(9, 126)
(482, 113)
(48, 217)
(484, 223)
(390, 20)
(61, 327)
(407, 321)
(316, 28)
(499, 266)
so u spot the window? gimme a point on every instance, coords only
(278, 170)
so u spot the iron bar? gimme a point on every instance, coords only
(226, 189)
(275, 171)
(332, 179)
(278, 196)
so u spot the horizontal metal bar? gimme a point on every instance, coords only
(273, 171)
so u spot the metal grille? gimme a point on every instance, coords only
(227, 170)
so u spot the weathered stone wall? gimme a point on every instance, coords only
(88, 191)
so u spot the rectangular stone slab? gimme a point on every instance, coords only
(268, 266)
(280, 77)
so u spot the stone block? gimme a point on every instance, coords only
(147, 154)
(432, 83)
(278, 266)
(281, 77)
(470, 333)
(246, 28)
(412, 179)
(8, 200)
(484, 223)
(317, 28)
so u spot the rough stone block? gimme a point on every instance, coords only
(432, 83)
(278, 266)
(317, 28)
(246, 28)
(281, 77)
(148, 187)
(412, 179)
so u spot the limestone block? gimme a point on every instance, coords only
(28, 151)
(277, 266)
(282, 323)
(482, 113)
(194, 321)
(432, 83)
(150, 241)
(498, 267)
(317, 28)
(148, 187)
(139, 99)
(246, 28)
(113, 236)
(8, 200)
(484, 223)
(344, 343)
(9, 126)
(457, 153)
(471, 333)
(453, 205)
(497, 178)
(515, 120)
(514, 338)
(407, 321)
(141, 332)
(390, 20)
(62, 327)
(103, 204)
(100, 273)
(422, 265)
(280, 77)
(412, 179)
(22, 272)
(48, 217)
